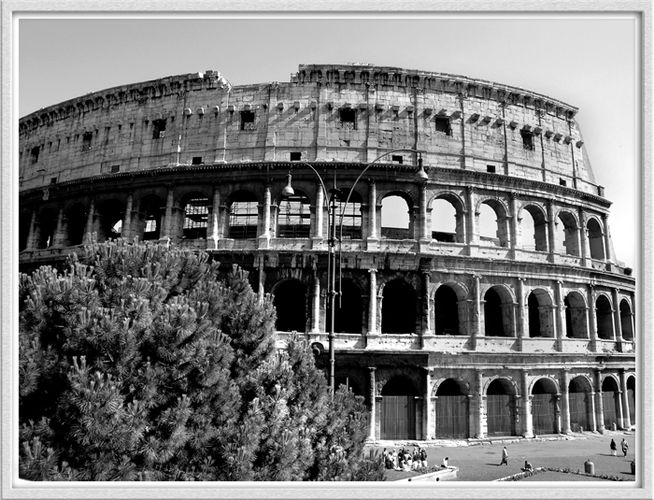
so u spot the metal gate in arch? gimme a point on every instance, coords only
(398, 417)
(452, 416)
(543, 411)
(610, 400)
(500, 414)
(580, 411)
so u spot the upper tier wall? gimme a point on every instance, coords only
(341, 113)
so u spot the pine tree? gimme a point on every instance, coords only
(146, 362)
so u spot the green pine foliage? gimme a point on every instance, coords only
(146, 362)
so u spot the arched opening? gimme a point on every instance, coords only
(625, 320)
(539, 306)
(46, 226)
(579, 400)
(497, 313)
(196, 217)
(398, 307)
(447, 311)
(568, 234)
(452, 411)
(595, 239)
(395, 220)
(544, 407)
(243, 216)
(290, 303)
(75, 224)
(533, 229)
(294, 218)
(349, 310)
(500, 408)
(24, 223)
(150, 215)
(604, 316)
(611, 402)
(575, 316)
(399, 409)
(351, 217)
(109, 214)
(631, 399)
(493, 229)
(446, 221)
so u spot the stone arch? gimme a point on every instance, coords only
(533, 228)
(545, 405)
(399, 306)
(604, 317)
(452, 409)
(397, 215)
(399, 408)
(498, 312)
(595, 239)
(501, 408)
(451, 385)
(447, 218)
(149, 217)
(494, 224)
(567, 231)
(349, 308)
(611, 400)
(576, 317)
(540, 313)
(75, 216)
(290, 301)
(109, 214)
(243, 215)
(626, 320)
(446, 311)
(46, 225)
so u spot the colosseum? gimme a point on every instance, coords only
(453, 222)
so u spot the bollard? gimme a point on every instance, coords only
(589, 467)
(614, 426)
(581, 428)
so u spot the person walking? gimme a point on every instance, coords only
(625, 446)
(505, 456)
(614, 447)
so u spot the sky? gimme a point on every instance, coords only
(588, 61)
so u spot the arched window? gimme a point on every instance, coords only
(447, 311)
(75, 224)
(540, 314)
(395, 220)
(452, 415)
(625, 320)
(349, 309)
(109, 214)
(604, 318)
(446, 222)
(595, 240)
(497, 313)
(567, 234)
(398, 409)
(501, 408)
(580, 404)
(47, 224)
(351, 226)
(575, 316)
(24, 223)
(611, 402)
(493, 228)
(243, 216)
(151, 217)
(398, 307)
(543, 406)
(533, 229)
(294, 219)
(290, 303)
(196, 217)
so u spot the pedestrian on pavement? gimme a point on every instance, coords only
(614, 447)
(528, 467)
(625, 446)
(505, 456)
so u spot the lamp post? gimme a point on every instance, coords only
(330, 205)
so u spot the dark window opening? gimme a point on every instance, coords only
(443, 125)
(115, 169)
(398, 307)
(348, 313)
(53, 180)
(158, 129)
(86, 141)
(247, 120)
(348, 118)
(197, 160)
(494, 315)
(604, 316)
(563, 182)
(490, 169)
(444, 237)
(290, 303)
(447, 311)
(296, 156)
(534, 316)
(34, 154)
(527, 140)
(397, 159)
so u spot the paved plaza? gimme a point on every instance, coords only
(480, 461)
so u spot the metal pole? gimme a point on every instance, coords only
(332, 289)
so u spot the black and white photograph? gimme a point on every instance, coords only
(379, 251)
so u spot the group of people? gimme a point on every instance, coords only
(405, 459)
(623, 445)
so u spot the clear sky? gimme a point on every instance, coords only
(590, 62)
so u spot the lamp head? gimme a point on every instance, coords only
(288, 189)
(421, 174)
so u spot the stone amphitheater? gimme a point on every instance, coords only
(456, 221)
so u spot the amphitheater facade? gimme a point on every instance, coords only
(484, 300)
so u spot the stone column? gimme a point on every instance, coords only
(216, 229)
(315, 316)
(168, 217)
(262, 278)
(372, 306)
(593, 421)
(372, 210)
(427, 312)
(58, 235)
(624, 401)
(520, 327)
(551, 233)
(565, 402)
(513, 223)
(559, 311)
(600, 402)
(481, 405)
(423, 214)
(126, 232)
(557, 413)
(90, 219)
(373, 403)
(616, 315)
(429, 405)
(475, 317)
(320, 206)
(32, 234)
(584, 246)
(472, 237)
(621, 422)
(608, 257)
(527, 398)
(592, 320)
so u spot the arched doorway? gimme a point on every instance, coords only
(398, 409)
(544, 407)
(500, 408)
(575, 316)
(625, 321)
(398, 307)
(290, 303)
(452, 410)
(447, 311)
(498, 313)
(631, 399)
(348, 313)
(611, 402)
(579, 400)
(604, 317)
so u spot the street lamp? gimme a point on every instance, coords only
(330, 205)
